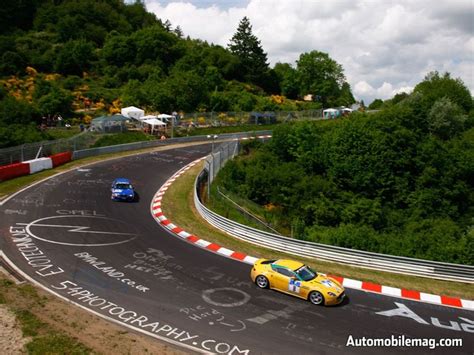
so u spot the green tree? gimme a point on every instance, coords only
(12, 63)
(288, 80)
(16, 15)
(446, 119)
(17, 134)
(137, 15)
(435, 87)
(89, 20)
(246, 46)
(399, 97)
(57, 101)
(178, 32)
(320, 76)
(13, 111)
(37, 49)
(75, 57)
(118, 50)
(155, 45)
(376, 104)
(345, 95)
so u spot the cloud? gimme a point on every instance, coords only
(384, 46)
(386, 90)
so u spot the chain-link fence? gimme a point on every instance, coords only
(230, 118)
(216, 160)
(46, 148)
(213, 163)
(197, 119)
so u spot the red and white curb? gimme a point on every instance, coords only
(157, 213)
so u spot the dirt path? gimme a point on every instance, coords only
(11, 337)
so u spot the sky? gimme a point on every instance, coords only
(384, 46)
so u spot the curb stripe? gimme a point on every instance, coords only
(192, 238)
(391, 291)
(238, 256)
(468, 304)
(368, 286)
(170, 226)
(352, 283)
(213, 247)
(184, 234)
(450, 301)
(202, 243)
(415, 295)
(430, 298)
(157, 212)
(225, 251)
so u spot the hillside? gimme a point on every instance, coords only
(400, 181)
(80, 59)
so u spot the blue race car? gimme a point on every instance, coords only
(122, 189)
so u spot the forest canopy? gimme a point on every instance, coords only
(399, 181)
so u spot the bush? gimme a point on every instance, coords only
(122, 138)
(379, 182)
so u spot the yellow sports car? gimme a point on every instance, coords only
(297, 279)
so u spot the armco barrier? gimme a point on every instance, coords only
(37, 165)
(61, 158)
(13, 170)
(79, 154)
(32, 166)
(390, 263)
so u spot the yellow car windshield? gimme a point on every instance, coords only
(306, 274)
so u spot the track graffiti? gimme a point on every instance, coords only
(148, 324)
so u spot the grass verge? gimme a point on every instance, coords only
(52, 326)
(40, 337)
(178, 206)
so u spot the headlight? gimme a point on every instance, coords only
(331, 294)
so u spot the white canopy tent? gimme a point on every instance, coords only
(133, 112)
(164, 115)
(147, 117)
(153, 121)
(330, 113)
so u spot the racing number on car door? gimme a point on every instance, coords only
(294, 286)
(285, 280)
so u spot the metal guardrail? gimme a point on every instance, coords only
(398, 264)
(369, 260)
(247, 214)
(84, 153)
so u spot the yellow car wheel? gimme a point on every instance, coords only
(261, 281)
(316, 298)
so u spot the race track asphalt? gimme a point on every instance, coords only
(112, 258)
